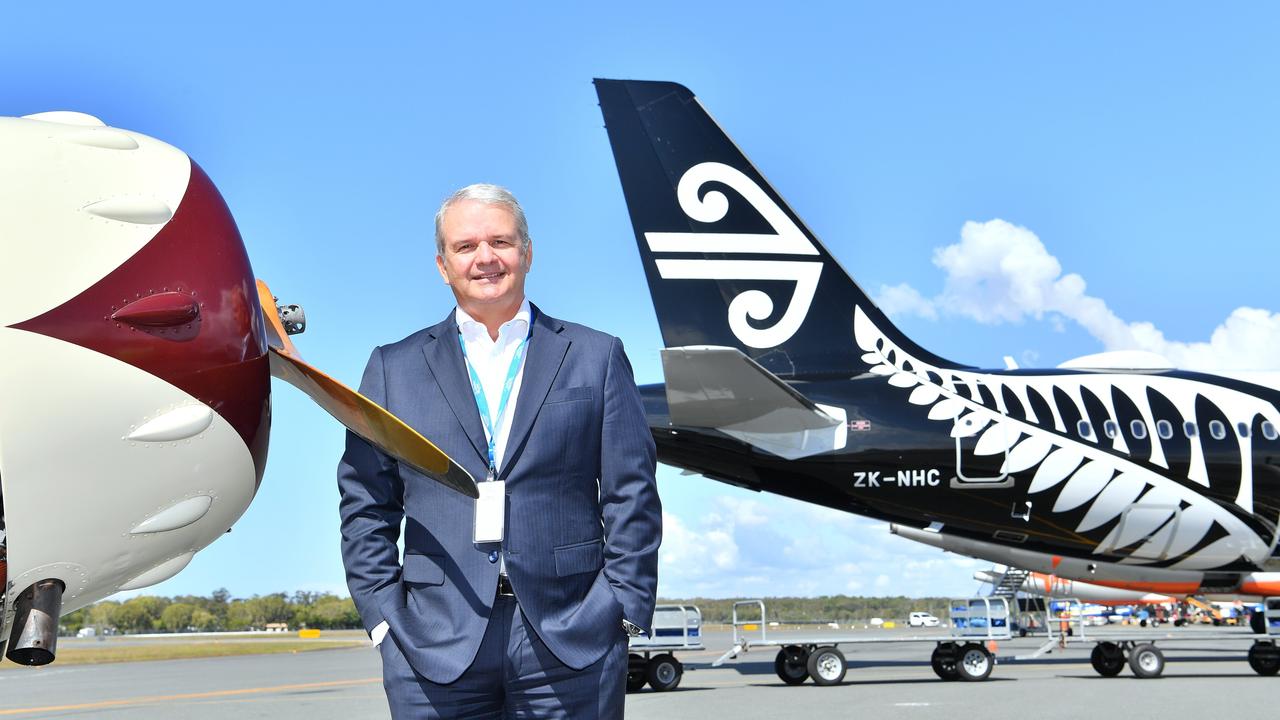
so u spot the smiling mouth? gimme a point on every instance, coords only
(489, 276)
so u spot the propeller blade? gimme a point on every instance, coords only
(356, 412)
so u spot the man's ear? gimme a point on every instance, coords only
(444, 275)
(526, 258)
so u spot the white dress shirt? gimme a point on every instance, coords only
(491, 361)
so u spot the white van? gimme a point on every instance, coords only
(922, 619)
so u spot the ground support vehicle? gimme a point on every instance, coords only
(651, 660)
(963, 654)
(1264, 655)
(1114, 649)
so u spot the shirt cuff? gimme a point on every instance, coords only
(379, 633)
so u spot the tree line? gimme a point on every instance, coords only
(325, 611)
(218, 612)
(843, 609)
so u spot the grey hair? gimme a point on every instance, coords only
(488, 195)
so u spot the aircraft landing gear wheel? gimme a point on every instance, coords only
(1107, 658)
(826, 666)
(974, 663)
(664, 672)
(1264, 658)
(636, 677)
(1146, 661)
(944, 661)
(792, 665)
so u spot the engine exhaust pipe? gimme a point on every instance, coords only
(34, 638)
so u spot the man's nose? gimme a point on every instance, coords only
(485, 253)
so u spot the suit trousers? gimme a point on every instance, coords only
(514, 675)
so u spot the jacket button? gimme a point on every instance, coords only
(493, 556)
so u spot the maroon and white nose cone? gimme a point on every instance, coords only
(184, 308)
(134, 379)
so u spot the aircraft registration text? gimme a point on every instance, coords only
(901, 478)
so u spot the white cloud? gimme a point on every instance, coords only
(689, 552)
(1002, 273)
(744, 545)
(998, 272)
(903, 299)
(746, 512)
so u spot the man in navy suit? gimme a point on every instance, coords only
(518, 604)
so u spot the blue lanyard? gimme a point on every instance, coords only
(482, 404)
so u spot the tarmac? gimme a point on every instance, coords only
(1205, 675)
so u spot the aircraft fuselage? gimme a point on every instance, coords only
(900, 466)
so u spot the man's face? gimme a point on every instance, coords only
(482, 261)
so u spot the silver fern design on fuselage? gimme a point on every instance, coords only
(1160, 520)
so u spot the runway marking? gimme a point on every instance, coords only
(189, 696)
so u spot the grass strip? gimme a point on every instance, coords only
(179, 651)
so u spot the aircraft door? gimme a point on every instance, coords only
(982, 444)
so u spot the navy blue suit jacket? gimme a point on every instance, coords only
(583, 518)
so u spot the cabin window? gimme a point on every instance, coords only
(1138, 429)
(1242, 429)
(1269, 430)
(1190, 429)
(1217, 429)
(1084, 429)
(1164, 429)
(1111, 428)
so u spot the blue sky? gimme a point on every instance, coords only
(1135, 147)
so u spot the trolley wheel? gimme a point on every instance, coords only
(1264, 658)
(664, 672)
(1146, 661)
(974, 663)
(636, 678)
(1107, 658)
(944, 661)
(826, 665)
(792, 665)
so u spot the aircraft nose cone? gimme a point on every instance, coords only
(185, 309)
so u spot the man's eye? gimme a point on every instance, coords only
(465, 247)
(500, 243)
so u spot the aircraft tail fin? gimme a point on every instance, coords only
(727, 260)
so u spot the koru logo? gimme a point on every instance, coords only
(788, 240)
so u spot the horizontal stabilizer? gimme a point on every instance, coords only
(721, 388)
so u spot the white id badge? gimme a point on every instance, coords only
(490, 511)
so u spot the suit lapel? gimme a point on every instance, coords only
(444, 362)
(546, 352)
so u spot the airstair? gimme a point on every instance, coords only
(1010, 583)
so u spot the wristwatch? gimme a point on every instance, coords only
(632, 629)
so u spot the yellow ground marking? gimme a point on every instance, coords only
(188, 696)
